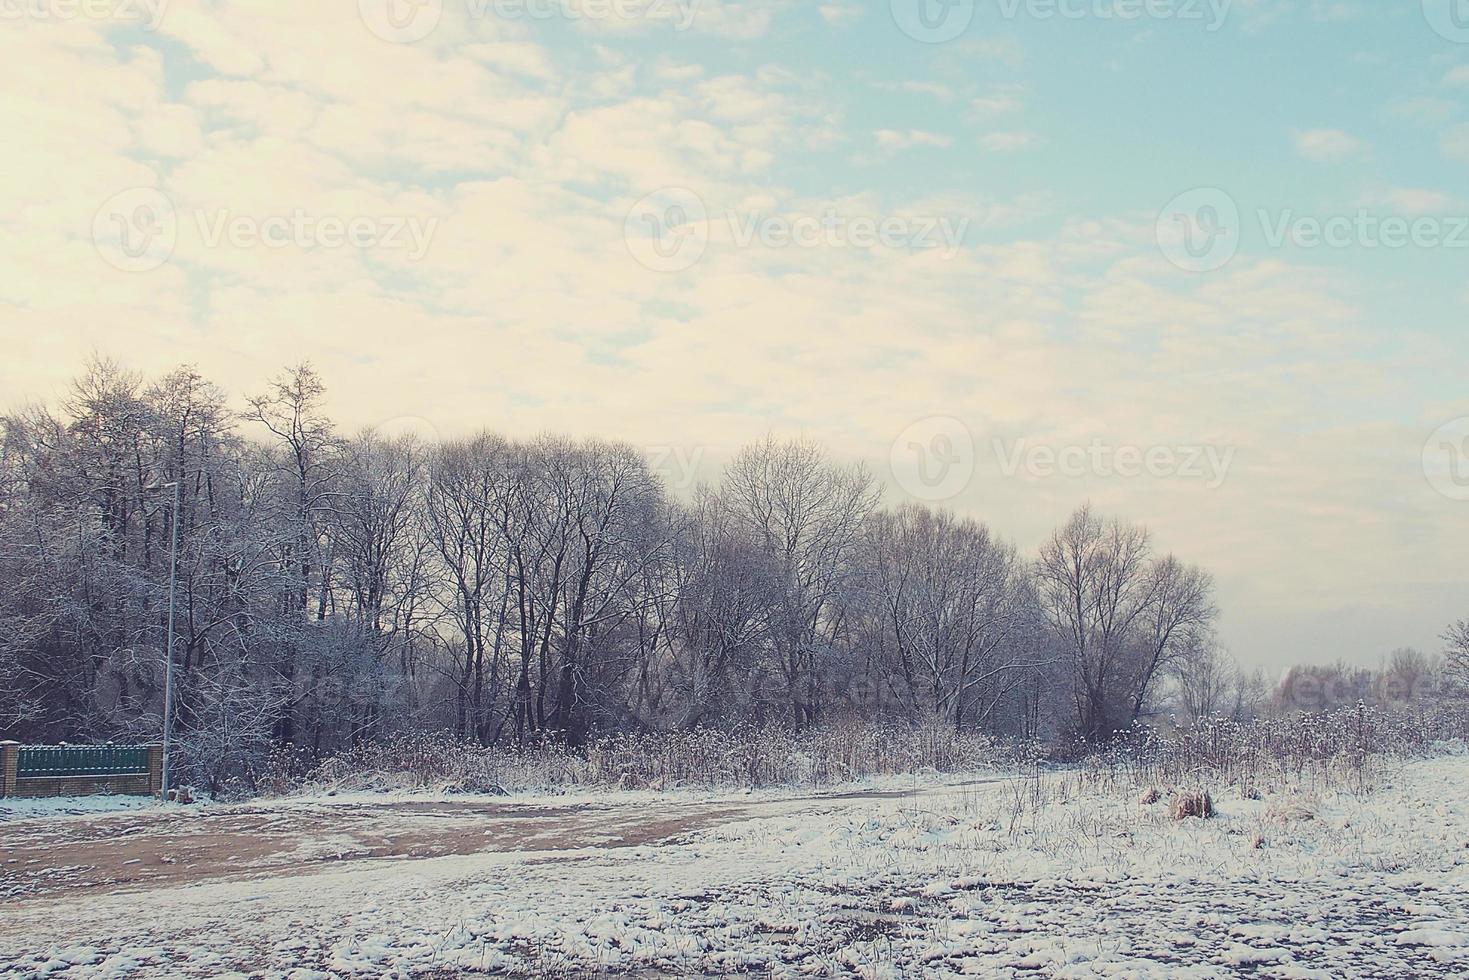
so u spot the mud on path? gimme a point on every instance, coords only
(48, 857)
(135, 851)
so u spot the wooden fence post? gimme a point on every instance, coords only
(155, 770)
(9, 761)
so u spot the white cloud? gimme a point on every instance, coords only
(840, 13)
(1458, 76)
(1006, 52)
(937, 90)
(1008, 142)
(1327, 145)
(1329, 11)
(1260, 15)
(518, 57)
(1456, 143)
(671, 71)
(742, 20)
(893, 139)
(1414, 201)
(1000, 100)
(1424, 111)
(171, 131)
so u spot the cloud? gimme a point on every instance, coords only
(1327, 145)
(840, 13)
(1000, 100)
(1416, 202)
(1260, 15)
(1008, 142)
(671, 71)
(517, 57)
(731, 19)
(892, 139)
(1455, 143)
(1336, 11)
(1424, 111)
(1457, 76)
(1005, 52)
(937, 90)
(172, 131)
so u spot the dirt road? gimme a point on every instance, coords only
(48, 858)
(140, 851)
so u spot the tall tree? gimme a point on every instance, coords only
(805, 512)
(1121, 615)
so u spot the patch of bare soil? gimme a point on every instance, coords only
(47, 857)
(131, 851)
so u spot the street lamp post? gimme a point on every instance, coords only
(173, 578)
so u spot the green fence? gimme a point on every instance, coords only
(81, 760)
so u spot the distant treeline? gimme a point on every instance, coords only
(335, 589)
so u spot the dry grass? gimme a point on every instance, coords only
(1291, 808)
(1194, 803)
(1303, 754)
(703, 758)
(1348, 748)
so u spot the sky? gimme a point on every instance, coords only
(1199, 262)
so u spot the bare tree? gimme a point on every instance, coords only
(727, 591)
(379, 556)
(1409, 675)
(805, 512)
(612, 506)
(1456, 654)
(1121, 615)
(291, 410)
(943, 601)
(1211, 684)
(476, 530)
(1177, 617)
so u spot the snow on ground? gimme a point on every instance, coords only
(69, 806)
(1012, 878)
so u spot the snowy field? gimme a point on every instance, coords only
(995, 877)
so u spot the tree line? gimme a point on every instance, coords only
(336, 588)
